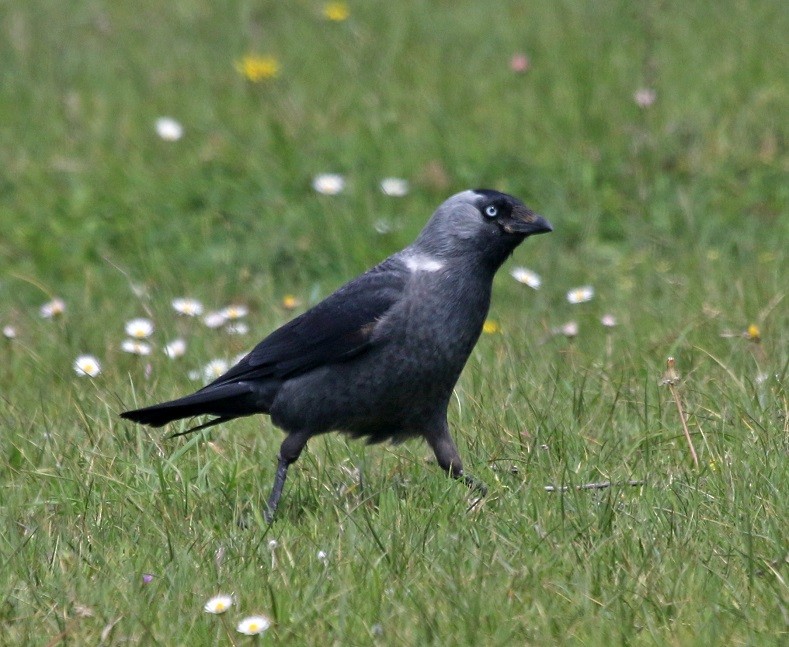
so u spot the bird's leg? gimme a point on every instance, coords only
(289, 451)
(276, 492)
(448, 458)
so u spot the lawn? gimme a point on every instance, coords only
(652, 135)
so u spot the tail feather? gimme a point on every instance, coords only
(227, 401)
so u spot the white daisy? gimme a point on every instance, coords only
(581, 295)
(570, 329)
(136, 347)
(9, 332)
(253, 625)
(234, 312)
(87, 366)
(237, 328)
(187, 306)
(139, 328)
(176, 348)
(214, 369)
(322, 556)
(214, 320)
(218, 604)
(52, 308)
(169, 129)
(395, 187)
(328, 183)
(608, 320)
(526, 276)
(644, 97)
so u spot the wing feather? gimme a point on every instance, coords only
(339, 327)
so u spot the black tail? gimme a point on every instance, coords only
(226, 401)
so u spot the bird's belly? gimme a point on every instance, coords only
(390, 391)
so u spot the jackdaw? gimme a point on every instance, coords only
(379, 358)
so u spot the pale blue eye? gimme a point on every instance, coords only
(491, 211)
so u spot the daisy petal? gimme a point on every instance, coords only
(328, 183)
(253, 625)
(87, 366)
(527, 277)
(140, 328)
(581, 295)
(218, 604)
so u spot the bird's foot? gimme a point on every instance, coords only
(474, 484)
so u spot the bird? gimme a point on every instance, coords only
(379, 358)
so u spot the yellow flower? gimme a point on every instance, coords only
(289, 302)
(258, 68)
(753, 333)
(490, 327)
(336, 11)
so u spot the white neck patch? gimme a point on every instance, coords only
(423, 263)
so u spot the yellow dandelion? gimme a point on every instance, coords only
(336, 11)
(289, 302)
(753, 333)
(490, 327)
(258, 68)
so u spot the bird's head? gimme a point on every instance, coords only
(480, 223)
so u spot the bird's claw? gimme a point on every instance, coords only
(476, 485)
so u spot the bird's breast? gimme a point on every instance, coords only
(440, 320)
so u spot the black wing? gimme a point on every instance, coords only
(339, 327)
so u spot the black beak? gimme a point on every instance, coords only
(524, 221)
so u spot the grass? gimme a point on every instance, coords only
(676, 213)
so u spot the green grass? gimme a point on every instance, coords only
(677, 214)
